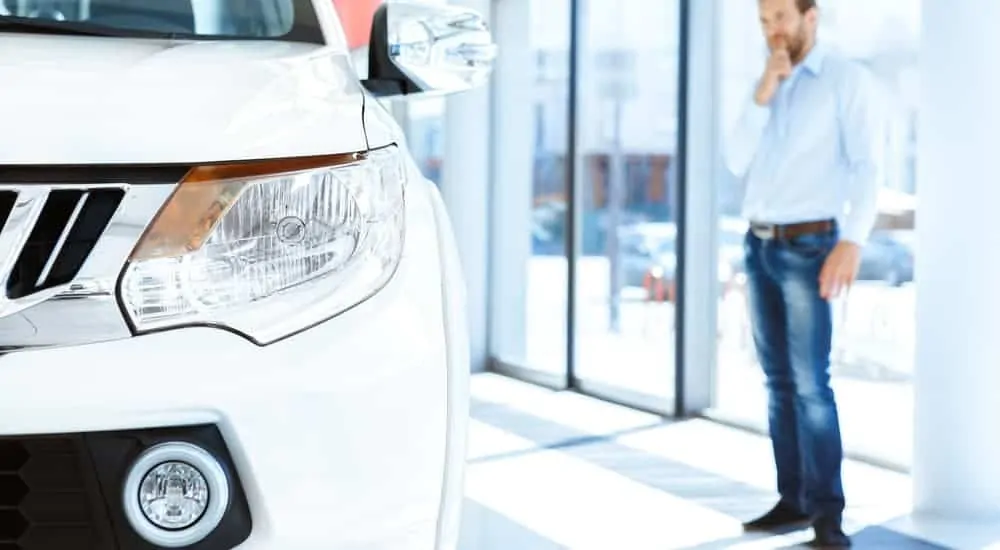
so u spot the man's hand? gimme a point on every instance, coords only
(840, 269)
(779, 67)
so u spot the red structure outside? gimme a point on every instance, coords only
(356, 16)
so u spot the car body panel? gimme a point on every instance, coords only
(94, 100)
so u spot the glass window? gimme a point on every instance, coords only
(874, 325)
(529, 197)
(627, 129)
(425, 134)
(231, 18)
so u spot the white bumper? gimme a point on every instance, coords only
(349, 435)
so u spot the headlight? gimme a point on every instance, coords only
(269, 248)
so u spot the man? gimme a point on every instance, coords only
(806, 148)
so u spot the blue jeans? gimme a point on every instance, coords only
(792, 331)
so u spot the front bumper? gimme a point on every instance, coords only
(348, 435)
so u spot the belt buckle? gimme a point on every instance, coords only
(764, 231)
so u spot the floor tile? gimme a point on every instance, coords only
(551, 470)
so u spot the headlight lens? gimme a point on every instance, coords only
(269, 249)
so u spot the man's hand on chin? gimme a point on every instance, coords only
(839, 269)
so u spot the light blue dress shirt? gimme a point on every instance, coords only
(815, 151)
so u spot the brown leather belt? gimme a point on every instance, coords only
(778, 231)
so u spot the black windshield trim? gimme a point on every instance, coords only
(14, 23)
(305, 28)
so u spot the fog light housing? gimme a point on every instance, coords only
(175, 494)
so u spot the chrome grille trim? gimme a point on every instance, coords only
(39, 238)
(67, 229)
(84, 310)
(14, 235)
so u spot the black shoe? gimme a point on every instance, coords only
(829, 535)
(782, 518)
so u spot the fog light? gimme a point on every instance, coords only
(175, 494)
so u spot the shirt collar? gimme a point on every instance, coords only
(814, 60)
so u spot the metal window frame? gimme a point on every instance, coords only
(694, 356)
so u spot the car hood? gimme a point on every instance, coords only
(94, 100)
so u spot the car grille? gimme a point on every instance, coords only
(50, 496)
(63, 232)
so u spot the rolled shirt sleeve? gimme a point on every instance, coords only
(861, 129)
(743, 141)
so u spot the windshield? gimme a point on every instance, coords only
(235, 19)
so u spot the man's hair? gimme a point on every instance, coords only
(805, 5)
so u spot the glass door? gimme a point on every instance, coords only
(626, 186)
(529, 199)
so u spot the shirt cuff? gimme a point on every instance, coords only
(854, 232)
(758, 115)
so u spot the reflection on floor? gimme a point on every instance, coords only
(872, 359)
(556, 470)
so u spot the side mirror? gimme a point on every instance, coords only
(419, 49)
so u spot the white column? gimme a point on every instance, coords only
(465, 190)
(513, 135)
(956, 463)
(701, 281)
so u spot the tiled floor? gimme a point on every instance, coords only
(557, 470)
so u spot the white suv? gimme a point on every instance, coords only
(232, 311)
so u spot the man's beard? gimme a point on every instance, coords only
(796, 47)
